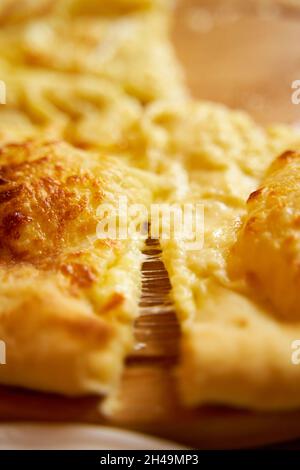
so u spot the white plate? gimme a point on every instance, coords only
(70, 437)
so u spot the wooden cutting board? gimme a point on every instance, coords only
(243, 55)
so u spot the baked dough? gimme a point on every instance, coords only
(67, 300)
(67, 304)
(236, 300)
(267, 251)
(131, 49)
(102, 75)
(88, 112)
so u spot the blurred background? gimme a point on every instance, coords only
(243, 53)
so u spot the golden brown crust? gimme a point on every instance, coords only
(45, 203)
(269, 242)
(67, 300)
(67, 303)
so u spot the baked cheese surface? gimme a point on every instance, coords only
(68, 298)
(87, 111)
(80, 73)
(131, 48)
(97, 110)
(237, 296)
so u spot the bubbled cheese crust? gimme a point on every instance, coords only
(67, 300)
(268, 247)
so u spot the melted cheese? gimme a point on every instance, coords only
(79, 70)
(132, 49)
(88, 112)
(75, 71)
(67, 303)
(236, 343)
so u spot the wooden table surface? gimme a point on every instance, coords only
(245, 57)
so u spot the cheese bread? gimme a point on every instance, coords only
(131, 48)
(89, 79)
(237, 296)
(67, 297)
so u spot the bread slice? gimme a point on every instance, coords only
(236, 296)
(68, 298)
